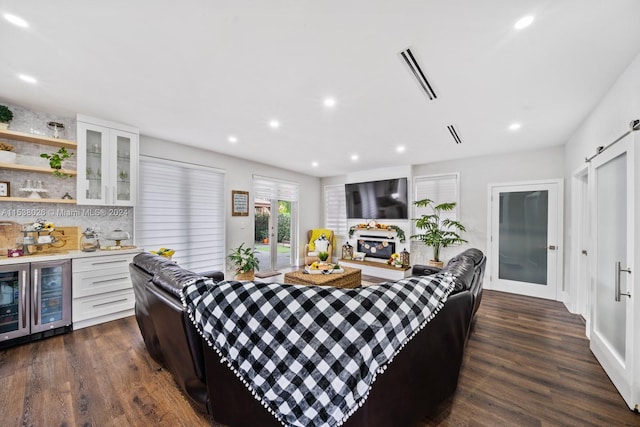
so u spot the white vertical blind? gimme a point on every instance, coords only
(181, 206)
(335, 209)
(439, 188)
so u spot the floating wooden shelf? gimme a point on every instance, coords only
(29, 200)
(30, 168)
(38, 139)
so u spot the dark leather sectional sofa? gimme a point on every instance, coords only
(420, 377)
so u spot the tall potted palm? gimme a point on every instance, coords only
(438, 233)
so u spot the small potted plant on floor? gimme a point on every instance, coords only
(5, 117)
(438, 233)
(245, 262)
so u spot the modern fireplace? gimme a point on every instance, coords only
(375, 246)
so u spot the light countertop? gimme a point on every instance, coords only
(65, 255)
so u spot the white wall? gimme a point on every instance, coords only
(606, 123)
(476, 173)
(239, 174)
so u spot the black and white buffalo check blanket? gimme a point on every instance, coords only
(310, 354)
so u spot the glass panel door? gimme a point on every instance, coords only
(94, 169)
(525, 236)
(124, 171)
(51, 295)
(282, 244)
(612, 306)
(14, 307)
(262, 231)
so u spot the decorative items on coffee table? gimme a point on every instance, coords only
(244, 262)
(438, 232)
(323, 267)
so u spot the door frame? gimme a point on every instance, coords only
(578, 296)
(559, 226)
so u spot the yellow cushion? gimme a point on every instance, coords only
(315, 234)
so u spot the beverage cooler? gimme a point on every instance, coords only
(35, 301)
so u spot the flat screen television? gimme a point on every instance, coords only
(384, 199)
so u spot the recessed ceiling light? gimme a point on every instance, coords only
(232, 139)
(515, 126)
(354, 157)
(400, 148)
(16, 20)
(314, 164)
(274, 124)
(27, 79)
(329, 102)
(523, 22)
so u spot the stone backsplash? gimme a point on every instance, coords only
(102, 218)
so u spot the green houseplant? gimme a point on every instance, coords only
(438, 233)
(55, 161)
(244, 261)
(5, 116)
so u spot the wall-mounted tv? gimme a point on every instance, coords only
(384, 199)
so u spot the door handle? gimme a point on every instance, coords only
(552, 247)
(36, 297)
(24, 299)
(619, 270)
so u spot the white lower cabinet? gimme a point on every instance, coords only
(102, 289)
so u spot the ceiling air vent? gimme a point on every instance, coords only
(454, 134)
(410, 60)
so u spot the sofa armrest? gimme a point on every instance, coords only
(215, 275)
(424, 270)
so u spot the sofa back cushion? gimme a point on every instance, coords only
(463, 270)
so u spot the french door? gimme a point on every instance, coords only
(525, 235)
(275, 203)
(612, 309)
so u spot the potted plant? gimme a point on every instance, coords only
(323, 256)
(55, 161)
(7, 154)
(5, 117)
(244, 261)
(438, 233)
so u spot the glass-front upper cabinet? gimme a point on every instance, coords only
(107, 163)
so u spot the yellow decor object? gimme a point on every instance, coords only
(315, 234)
(167, 253)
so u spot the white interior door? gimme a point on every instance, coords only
(526, 230)
(611, 328)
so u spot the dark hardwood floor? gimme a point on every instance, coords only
(527, 363)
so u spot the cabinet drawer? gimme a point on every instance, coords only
(102, 305)
(89, 283)
(119, 261)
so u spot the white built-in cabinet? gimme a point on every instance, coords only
(102, 289)
(107, 163)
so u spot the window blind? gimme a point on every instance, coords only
(335, 209)
(181, 206)
(272, 189)
(440, 189)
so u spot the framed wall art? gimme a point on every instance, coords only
(5, 189)
(239, 203)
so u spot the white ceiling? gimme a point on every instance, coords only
(195, 72)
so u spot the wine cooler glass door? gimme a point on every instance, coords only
(14, 302)
(51, 295)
